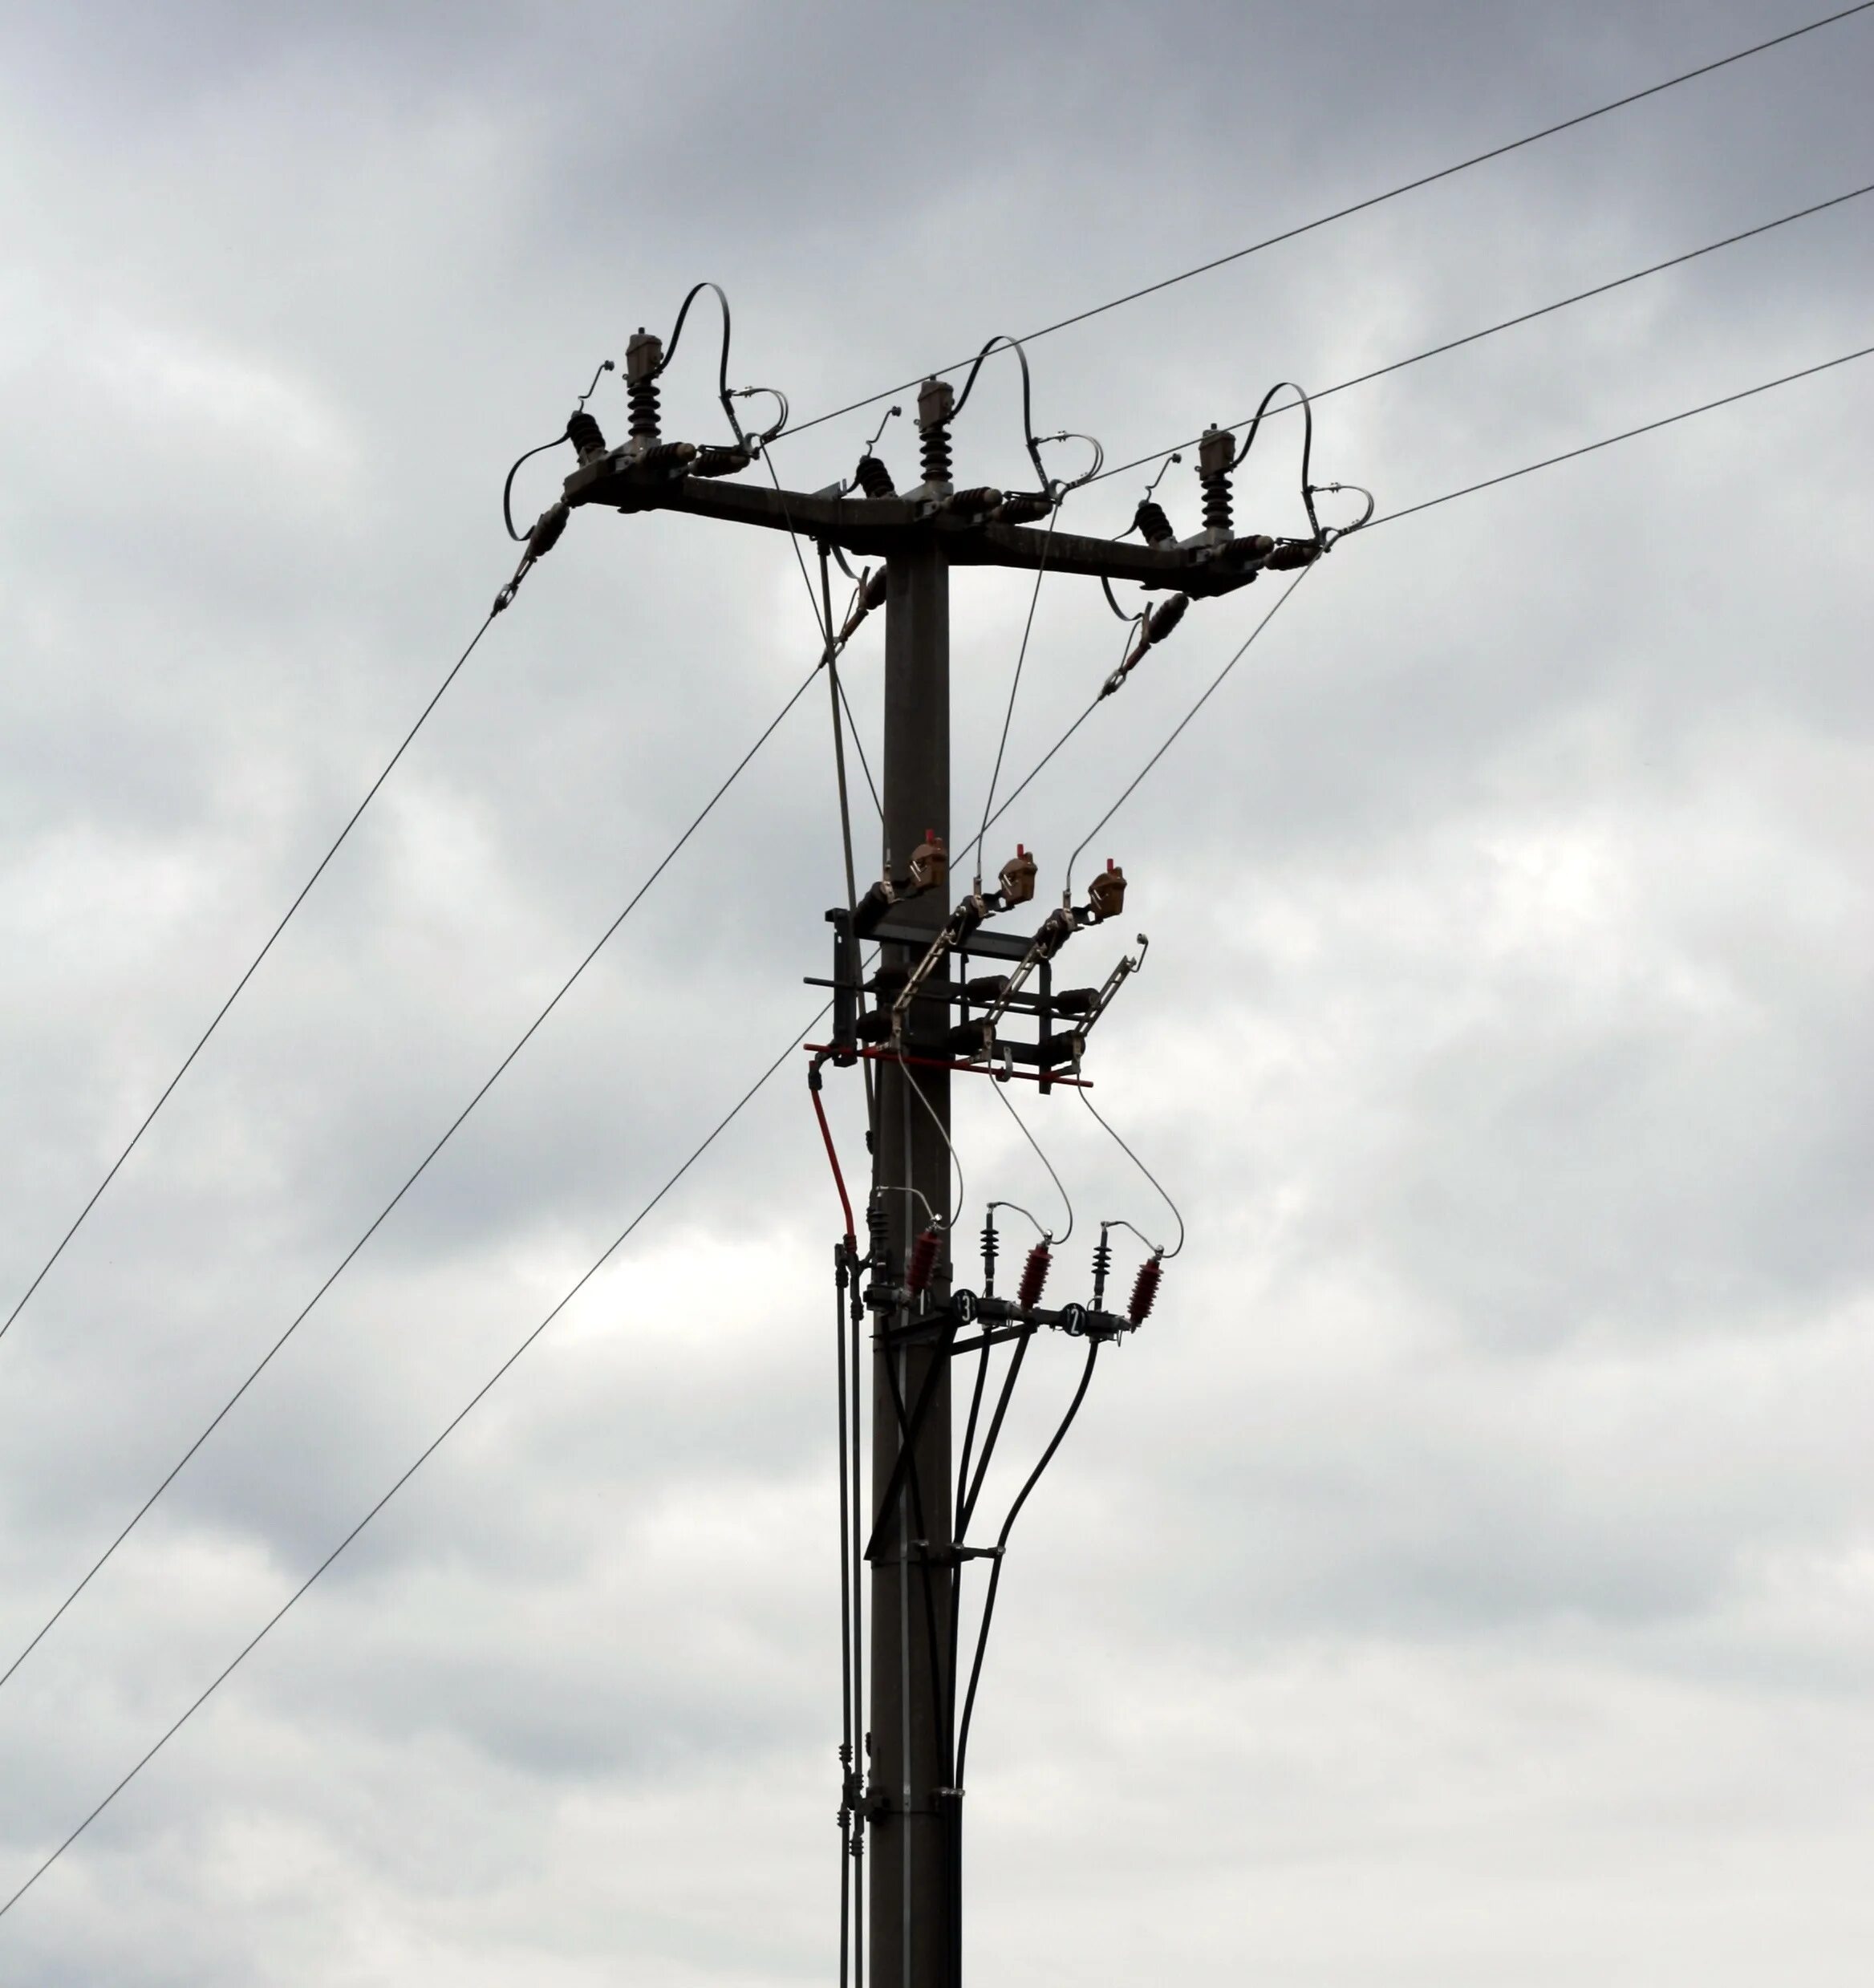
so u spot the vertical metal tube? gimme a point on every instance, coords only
(913, 1936)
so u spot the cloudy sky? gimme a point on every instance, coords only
(1466, 1578)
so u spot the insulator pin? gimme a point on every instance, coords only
(874, 478)
(991, 1248)
(1298, 552)
(984, 497)
(923, 1259)
(586, 437)
(1034, 1276)
(1024, 507)
(547, 527)
(986, 987)
(1144, 1289)
(1077, 1000)
(936, 402)
(720, 462)
(1102, 1263)
(966, 1040)
(1151, 523)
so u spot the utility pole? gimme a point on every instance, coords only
(912, 1808)
(914, 1832)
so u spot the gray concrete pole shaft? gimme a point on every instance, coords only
(912, 1698)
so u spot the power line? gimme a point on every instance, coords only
(1275, 607)
(1361, 206)
(1524, 317)
(448, 1429)
(1449, 496)
(384, 1213)
(1626, 434)
(253, 967)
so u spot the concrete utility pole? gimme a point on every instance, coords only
(912, 1810)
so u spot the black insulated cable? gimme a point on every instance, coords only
(1376, 200)
(1000, 1551)
(448, 1429)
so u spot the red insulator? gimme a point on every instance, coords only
(923, 1258)
(1034, 1276)
(1144, 1289)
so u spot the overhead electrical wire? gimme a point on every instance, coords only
(1275, 607)
(384, 1214)
(1521, 318)
(449, 1429)
(1372, 201)
(1426, 503)
(1626, 434)
(253, 967)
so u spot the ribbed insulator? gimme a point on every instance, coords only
(1034, 1276)
(1145, 1289)
(991, 1248)
(586, 437)
(643, 396)
(1024, 507)
(935, 452)
(874, 478)
(1102, 1262)
(1216, 502)
(1166, 616)
(1151, 523)
(714, 461)
(923, 1259)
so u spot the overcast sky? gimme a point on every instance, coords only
(1465, 1578)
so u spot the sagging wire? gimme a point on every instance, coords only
(1335, 533)
(722, 393)
(1158, 1185)
(1047, 1236)
(1248, 443)
(1055, 487)
(949, 1146)
(1282, 600)
(773, 393)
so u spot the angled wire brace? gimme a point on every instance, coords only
(253, 967)
(449, 1429)
(384, 1213)
(1371, 201)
